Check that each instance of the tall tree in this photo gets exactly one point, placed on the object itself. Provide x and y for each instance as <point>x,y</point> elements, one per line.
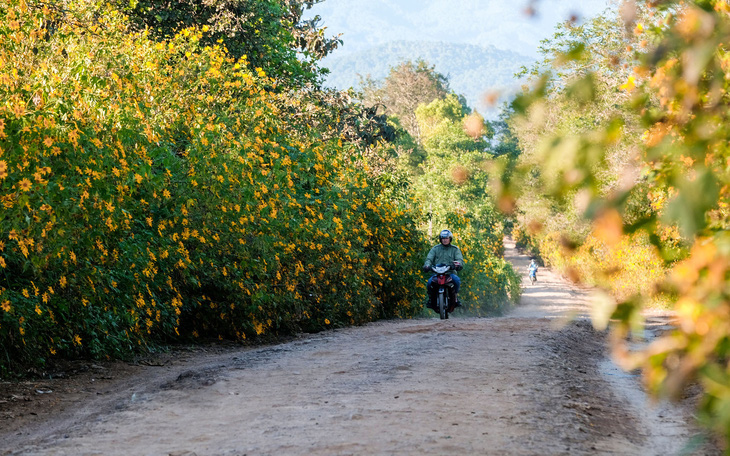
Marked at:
<point>408,85</point>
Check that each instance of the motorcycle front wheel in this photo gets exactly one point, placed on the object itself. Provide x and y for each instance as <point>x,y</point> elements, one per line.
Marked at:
<point>443,307</point>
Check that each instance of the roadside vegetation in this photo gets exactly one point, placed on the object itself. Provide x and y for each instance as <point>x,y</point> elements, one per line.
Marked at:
<point>184,176</point>
<point>622,182</point>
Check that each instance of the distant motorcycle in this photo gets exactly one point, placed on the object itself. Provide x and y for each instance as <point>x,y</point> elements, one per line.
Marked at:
<point>445,284</point>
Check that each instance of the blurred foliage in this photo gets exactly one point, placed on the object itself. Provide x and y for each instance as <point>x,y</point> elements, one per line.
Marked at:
<point>528,244</point>
<point>159,190</point>
<point>624,168</point>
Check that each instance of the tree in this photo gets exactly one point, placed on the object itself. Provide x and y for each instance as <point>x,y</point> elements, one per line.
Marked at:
<point>578,82</point>
<point>269,33</point>
<point>506,142</point>
<point>407,86</point>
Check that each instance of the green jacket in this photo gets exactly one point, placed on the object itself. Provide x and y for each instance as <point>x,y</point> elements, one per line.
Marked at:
<point>445,254</point>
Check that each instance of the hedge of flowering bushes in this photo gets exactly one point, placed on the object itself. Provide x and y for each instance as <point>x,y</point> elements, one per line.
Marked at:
<point>152,191</point>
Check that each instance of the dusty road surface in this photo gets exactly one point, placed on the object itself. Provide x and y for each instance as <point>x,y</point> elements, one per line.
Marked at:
<point>522,384</point>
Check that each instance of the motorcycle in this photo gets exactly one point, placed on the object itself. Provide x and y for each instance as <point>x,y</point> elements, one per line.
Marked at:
<point>533,275</point>
<point>445,284</point>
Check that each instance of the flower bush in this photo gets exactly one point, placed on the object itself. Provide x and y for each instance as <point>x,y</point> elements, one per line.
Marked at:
<point>153,191</point>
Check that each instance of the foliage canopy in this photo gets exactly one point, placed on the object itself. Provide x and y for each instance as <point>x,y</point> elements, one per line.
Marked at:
<point>408,85</point>
<point>270,33</point>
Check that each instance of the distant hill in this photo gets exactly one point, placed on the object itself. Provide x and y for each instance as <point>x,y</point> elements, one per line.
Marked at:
<point>472,70</point>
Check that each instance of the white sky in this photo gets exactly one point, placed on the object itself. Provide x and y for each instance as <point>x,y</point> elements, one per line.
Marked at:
<point>501,23</point>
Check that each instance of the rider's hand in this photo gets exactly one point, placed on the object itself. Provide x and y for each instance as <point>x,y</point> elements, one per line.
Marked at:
<point>457,265</point>
<point>426,268</point>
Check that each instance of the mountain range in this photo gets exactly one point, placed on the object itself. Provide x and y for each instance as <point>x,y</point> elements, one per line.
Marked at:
<point>472,70</point>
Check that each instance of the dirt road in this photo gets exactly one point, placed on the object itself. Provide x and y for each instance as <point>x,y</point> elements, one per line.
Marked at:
<point>522,384</point>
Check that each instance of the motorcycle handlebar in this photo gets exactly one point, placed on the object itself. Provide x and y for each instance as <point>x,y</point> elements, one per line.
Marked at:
<point>451,267</point>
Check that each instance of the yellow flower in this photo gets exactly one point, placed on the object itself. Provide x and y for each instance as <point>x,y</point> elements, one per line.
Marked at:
<point>5,306</point>
<point>326,321</point>
<point>25,185</point>
<point>77,339</point>
<point>629,85</point>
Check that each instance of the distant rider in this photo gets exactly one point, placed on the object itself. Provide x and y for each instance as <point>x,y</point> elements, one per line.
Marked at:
<point>532,269</point>
<point>444,253</point>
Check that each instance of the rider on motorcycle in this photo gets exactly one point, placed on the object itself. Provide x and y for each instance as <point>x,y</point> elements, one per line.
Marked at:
<point>444,253</point>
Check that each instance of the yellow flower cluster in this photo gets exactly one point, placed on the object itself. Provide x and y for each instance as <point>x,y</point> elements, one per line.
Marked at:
<point>146,201</point>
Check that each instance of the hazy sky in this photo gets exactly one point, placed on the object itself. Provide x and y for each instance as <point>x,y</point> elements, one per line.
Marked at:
<point>501,23</point>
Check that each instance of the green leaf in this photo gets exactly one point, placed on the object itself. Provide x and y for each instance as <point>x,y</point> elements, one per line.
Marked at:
<point>695,197</point>
<point>603,308</point>
<point>583,90</point>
